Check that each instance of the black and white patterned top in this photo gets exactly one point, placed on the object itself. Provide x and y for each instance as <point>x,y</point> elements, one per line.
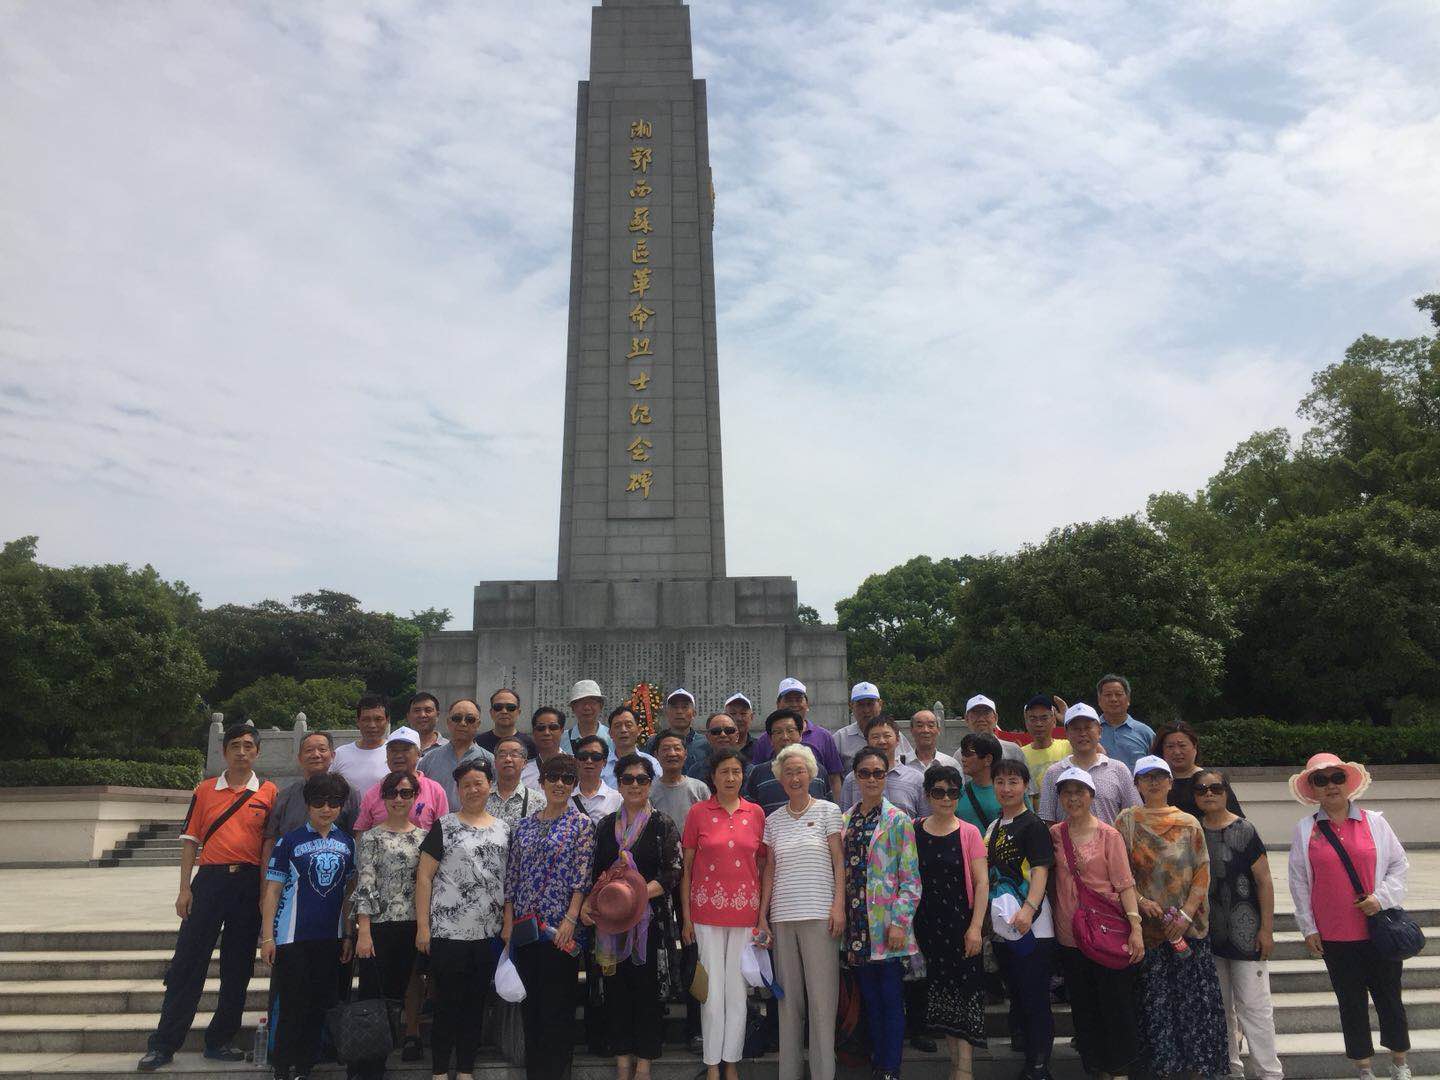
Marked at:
<point>385,889</point>
<point>467,899</point>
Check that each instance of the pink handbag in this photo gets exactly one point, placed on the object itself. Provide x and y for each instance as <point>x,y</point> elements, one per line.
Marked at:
<point>1100,926</point>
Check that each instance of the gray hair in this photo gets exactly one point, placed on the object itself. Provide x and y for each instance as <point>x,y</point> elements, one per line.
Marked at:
<point>323,733</point>
<point>795,750</point>
<point>1112,678</point>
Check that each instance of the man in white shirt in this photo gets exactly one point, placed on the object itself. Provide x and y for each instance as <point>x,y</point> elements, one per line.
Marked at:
<point>545,728</point>
<point>865,705</point>
<point>587,702</point>
<point>925,734</point>
<point>363,762</point>
<point>592,794</point>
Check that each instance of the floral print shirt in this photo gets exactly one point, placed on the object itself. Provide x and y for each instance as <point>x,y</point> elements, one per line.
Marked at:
<point>725,871</point>
<point>549,862</point>
<point>386,887</point>
<point>467,896</point>
<point>1169,857</point>
<point>892,879</point>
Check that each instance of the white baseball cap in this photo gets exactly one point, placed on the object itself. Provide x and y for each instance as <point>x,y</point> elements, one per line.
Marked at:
<point>739,697</point>
<point>790,686</point>
<point>979,701</point>
<point>404,734</point>
<point>1151,763</point>
<point>1074,773</point>
<point>864,691</point>
<point>1080,711</point>
<point>585,688</point>
<point>680,691</point>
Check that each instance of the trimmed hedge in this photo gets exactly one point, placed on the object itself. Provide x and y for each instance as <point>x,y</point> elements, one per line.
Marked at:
<point>87,772</point>
<point>188,756</point>
<point>1257,740</point>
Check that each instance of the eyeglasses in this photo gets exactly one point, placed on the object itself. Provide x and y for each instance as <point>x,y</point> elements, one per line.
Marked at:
<point>1209,789</point>
<point>403,793</point>
<point>634,778</point>
<point>544,727</point>
<point>504,706</point>
<point>509,754</point>
<point>870,774</point>
<point>567,778</point>
<point>968,753</point>
<point>465,718</point>
<point>724,731</point>
<point>334,802</point>
<point>944,793</point>
<point>589,755</point>
<point>1334,779</point>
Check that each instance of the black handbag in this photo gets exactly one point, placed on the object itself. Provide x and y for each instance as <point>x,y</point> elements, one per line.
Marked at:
<point>1393,932</point>
<point>362,1030</point>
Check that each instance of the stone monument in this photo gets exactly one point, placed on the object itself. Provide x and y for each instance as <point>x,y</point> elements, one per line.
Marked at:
<point>640,589</point>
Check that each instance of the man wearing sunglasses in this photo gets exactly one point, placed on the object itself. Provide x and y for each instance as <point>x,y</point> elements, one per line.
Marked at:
<point>504,716</point>
<point>402,753</point>
<point>439,764</point>
<point>592,795</point>
<point>546,726</point>
<point>720,730</point>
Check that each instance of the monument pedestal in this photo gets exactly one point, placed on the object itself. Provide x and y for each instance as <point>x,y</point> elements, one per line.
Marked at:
<point>712,636</point>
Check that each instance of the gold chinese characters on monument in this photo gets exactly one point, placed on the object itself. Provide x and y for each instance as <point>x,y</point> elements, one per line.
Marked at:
<point>641,156</point>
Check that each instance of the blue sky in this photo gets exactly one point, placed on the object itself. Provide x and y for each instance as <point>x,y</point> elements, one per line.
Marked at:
<point>283,292</point>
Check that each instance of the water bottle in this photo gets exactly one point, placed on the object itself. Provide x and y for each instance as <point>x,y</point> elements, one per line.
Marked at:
<point>1180,945</point>
<point>260,1054</point>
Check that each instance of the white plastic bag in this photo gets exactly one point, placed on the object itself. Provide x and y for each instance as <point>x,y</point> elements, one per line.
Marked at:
<point>507,980</point>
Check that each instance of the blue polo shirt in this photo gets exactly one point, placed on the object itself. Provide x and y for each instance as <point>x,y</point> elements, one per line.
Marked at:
<point>314,870</point>
<point>1128,742</point>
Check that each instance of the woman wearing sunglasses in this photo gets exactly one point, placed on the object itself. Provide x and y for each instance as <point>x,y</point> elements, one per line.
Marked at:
<point>1242,924</point>
<point>459,898</point>
<point>546,878</point>
<point>882,891</point>
<point>1333,918</point>
<point>635,963</point>
<point>953,872</point>
<point>387,857</point>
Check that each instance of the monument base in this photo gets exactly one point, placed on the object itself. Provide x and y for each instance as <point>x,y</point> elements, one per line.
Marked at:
<point>713,636</point>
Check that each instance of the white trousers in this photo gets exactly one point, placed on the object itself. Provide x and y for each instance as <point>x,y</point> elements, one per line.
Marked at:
<point>807,963</point>
<point>1245,991</point>
<point>722,1017</point>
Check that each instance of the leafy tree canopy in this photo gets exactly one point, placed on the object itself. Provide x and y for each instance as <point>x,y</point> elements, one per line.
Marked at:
<point>274,700</point>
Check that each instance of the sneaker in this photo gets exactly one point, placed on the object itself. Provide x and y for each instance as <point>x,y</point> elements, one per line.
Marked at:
<point>1399,1072</point>
<point>224,1053</point>
<point>695,1044</point>
<point>413,1050</point>
<point>154,1059</point>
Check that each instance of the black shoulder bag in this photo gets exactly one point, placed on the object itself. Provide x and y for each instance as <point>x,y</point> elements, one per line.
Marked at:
<point>979,812</point>
<point>226,816</point>
<point>1395,935</point>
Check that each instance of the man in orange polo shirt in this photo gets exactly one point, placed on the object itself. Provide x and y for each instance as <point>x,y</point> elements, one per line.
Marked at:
<point>225,825</point>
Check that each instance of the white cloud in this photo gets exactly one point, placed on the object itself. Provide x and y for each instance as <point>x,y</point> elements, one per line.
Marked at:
<point>284,298</point>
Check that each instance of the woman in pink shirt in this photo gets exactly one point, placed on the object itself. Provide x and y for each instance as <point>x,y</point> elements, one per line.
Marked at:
<point>1105,1032</point>
<point>1332,917</point>
<point>720,897</point>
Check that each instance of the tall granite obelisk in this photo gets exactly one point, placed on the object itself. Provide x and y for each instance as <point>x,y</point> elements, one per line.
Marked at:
<point>640,589</point>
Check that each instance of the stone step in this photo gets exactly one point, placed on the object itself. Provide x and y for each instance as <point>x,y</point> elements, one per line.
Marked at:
<point>86,996</point>
<point>148,964</point>
<point>1298,976</point>
<point>1290,944</point>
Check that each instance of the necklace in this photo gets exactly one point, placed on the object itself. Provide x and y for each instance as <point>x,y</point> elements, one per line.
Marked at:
<point>809,802</point>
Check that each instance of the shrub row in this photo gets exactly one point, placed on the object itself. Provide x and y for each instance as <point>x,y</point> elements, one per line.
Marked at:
<point>85,772</point>
<point>1257,740</point>
<point>188,756</point>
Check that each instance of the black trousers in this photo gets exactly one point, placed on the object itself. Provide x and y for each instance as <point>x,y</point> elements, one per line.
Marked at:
<point>305,988</point>
<point>461,972</point>
<point>1027,980</point>
<point>633,1007</point>
<point>1102,1005</point>
<point>1357,970</point>
<point>916,991</point>
<point>226,908</point>
<point>387,975</point>
<point>550,978</point>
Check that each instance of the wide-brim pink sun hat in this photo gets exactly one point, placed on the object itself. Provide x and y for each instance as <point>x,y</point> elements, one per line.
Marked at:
<point>1357,778</point>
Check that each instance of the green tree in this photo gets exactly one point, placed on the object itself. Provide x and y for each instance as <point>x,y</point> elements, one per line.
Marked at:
<point>900,624</point>
<point>807,616</point>
<point>1102,596</point>
<point>274,700</point>
<point>94,657</point>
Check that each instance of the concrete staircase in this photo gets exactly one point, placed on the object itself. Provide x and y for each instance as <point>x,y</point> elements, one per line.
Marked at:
<point>156,844</point>
<point>79,1004</point>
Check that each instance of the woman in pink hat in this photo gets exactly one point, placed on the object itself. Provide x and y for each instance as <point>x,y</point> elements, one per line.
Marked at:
<point>1330,915</point>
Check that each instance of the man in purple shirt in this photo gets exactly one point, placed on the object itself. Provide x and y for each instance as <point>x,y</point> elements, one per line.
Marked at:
<point>792,695</point>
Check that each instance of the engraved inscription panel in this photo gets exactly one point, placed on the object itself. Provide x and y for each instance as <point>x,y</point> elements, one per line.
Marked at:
<point>711,670</point>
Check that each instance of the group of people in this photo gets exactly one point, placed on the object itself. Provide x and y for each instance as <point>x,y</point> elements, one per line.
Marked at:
<point>1087,851</point>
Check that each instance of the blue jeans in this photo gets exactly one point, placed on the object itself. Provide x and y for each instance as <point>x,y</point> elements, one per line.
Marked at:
<point>880,988</point>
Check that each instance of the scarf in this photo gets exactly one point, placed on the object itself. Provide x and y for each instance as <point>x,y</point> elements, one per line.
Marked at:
<point>611,949</point>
